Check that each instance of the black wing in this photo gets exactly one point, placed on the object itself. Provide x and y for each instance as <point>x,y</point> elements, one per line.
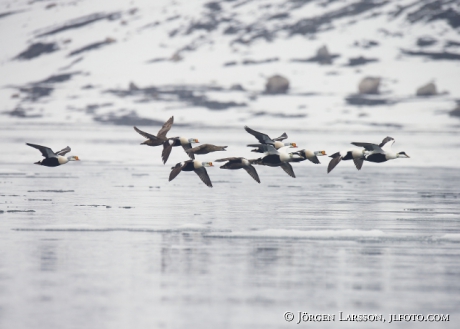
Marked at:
<point>386,140</point>
<point>358,163</point>
<point>166,127</point>
<point>253,173</point>
<point>368,146</point>
<point>64,151</point>
<point>188,147</point>
<point>262,138</point>
<point>281,138</point>
<point>176,170</point>
<point>336,158</point>
<point>144,134</point>
<point>203,174</point>
<point>288,169</point>
<point>315,160</point>
<point>46,151</point>
<point>167,147</point>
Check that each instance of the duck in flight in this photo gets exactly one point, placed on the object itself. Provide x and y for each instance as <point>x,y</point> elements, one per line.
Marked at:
<point>53,159</point>
<point>205,149</point>
<point>382,152</point>
<point>264,138</point>
<point>160,138</point>
<point>278,158</point>
<point>192,165</point>
<point>359,155</point>
<point>309,155</point>
<point>263,148</point>
<point>240,163</point>
<point>186,144</point>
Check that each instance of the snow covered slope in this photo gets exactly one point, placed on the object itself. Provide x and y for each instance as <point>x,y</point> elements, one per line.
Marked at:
<point>207,63</point>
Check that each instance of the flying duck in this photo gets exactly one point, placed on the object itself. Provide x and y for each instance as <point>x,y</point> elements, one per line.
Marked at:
<point>309,155</point>
<point>263,138</point>
<point>186,143</point>
<point>160,138</point>
<point>278,158</point>
<point>357,155</point>
<point>205,149</point>
<point>53,159</point>
<point>192,165</point>
<point>238,163</point>
<point>262,148</point>
<point>382,152</point>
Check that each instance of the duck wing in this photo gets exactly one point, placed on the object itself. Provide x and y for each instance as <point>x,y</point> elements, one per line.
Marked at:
<point>369,147</point>
<point>358,163</point>
<point>166,127</point>
<point>261,137</point>
<point>46,151</point>
<point>336,158</point>
<point>187,148</point>
<point>288,169</point>
<point>281,138</point>
<point>252,172</point>
<point>386,143</point>
<point>144,134</point>
<point>64,151</point>
<point>176,170</point>
<point>314,159</point>
<point>167,147</point>
<point>203,174</point>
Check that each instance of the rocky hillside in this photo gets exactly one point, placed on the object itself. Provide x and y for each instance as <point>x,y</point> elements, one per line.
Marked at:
<point>315,64</point>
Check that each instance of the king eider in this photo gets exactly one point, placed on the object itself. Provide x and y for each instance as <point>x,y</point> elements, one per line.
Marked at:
<point>192,165</point>
<point>53,159</point>
<point>262,148</point>
<point>357,155</point>
<point>263,138</point>
<point>160,138</point>
<point>186,144</point>
<point>309,155</point>
<point>382,152</point>
<point>278,158</point>
<point>205,149</point>
<point>240,163</point>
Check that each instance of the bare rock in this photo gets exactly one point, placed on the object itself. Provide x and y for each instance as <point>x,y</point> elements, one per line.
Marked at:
<point>176,57</point>
<point>427,90</point>
<point>323,56</point>
<point>277,85</point>
<point>237,87</point>
<point>369,85</point>
<point>133,86</point>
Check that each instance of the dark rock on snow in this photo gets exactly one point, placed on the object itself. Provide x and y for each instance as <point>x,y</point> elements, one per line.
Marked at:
<point>277,85</point>
<point>427,90</point>
<point>369,85</point>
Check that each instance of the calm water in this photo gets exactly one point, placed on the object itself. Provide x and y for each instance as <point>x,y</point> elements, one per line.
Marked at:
<point>109,243</point>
